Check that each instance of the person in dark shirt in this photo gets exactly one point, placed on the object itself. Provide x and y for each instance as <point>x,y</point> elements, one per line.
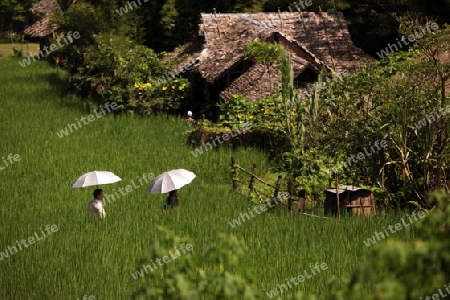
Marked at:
<point>172,200</point>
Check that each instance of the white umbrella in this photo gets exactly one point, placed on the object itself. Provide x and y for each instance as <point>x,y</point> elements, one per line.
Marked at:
<point>96,178</point>
<point>171,180</point>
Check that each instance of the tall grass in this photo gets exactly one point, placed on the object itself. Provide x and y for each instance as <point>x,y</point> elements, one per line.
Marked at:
<point>86,257</point>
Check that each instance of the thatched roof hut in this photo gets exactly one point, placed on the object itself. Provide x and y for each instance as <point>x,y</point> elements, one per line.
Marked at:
<point>43,27</point>
<point>45,7</point>
<point>313,40</point>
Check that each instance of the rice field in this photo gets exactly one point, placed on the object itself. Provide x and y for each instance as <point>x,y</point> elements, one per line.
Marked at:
<point>6,49</point>
<point>82,257</point>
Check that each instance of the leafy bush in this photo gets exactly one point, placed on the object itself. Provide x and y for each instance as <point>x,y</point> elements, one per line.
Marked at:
<point>343,117</point>
<point>410,271</point>
<point>116,69</point>
<point>190,278</point>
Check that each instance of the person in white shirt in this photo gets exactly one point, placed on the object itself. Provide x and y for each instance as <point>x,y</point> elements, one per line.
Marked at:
<point>96,206</point>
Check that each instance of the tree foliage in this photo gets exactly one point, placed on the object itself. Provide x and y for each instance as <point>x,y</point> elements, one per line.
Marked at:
<point>117,69</point>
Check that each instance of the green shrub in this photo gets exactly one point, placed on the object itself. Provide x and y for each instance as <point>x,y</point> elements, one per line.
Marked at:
<point>410,271</point>
<point>187,278</point>
<point>116,69</point>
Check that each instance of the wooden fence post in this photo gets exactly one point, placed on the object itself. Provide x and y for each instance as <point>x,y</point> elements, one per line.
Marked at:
<point>291,192</point>
<point>234,175</point>
<point>337,195</point>
<point>252,180</point>
<point>301,201</point>
<point>277,188</point>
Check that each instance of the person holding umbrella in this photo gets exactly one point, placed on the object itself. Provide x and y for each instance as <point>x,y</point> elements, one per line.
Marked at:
<point>170,182</point>
<point>172,200</point>
<point>96,206</point>
<point>95,178</point>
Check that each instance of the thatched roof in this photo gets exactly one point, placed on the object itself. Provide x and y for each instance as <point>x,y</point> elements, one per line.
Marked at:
<point>260,81</point>
<point>314,40</point>
<point>43,28</point>
<point>45,7</point>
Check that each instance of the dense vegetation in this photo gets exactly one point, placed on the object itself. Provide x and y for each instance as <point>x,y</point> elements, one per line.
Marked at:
<point>386,127</point>
<point>393,115</point>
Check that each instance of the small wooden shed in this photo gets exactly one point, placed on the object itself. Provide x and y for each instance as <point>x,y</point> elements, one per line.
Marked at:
<point>353,201</point>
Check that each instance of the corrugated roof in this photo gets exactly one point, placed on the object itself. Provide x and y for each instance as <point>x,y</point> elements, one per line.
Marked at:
<point>344,188</point>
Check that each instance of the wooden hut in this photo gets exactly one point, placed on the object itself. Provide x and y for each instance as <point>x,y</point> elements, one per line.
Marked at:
<point>353,201</point>
<point>314,41</point>
<point>43,28</point>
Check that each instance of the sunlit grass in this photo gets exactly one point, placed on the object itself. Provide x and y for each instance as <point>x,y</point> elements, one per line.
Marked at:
<point>96,258</point>
<point>6,49</point>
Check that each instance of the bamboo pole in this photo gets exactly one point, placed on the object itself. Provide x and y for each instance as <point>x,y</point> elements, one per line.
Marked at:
<point>252,181</point>
<point>251,184</point>
<point>234,175</point>
<point>337,195</point>
<point>21,45</point>
<point>372,199</point>
<point>362,207</point>
<point>290,191</point>
<point>277,188</point>
<point>259,195</point>
<point>12,44</point>
<point>255,177</point>
<point>330,179</point>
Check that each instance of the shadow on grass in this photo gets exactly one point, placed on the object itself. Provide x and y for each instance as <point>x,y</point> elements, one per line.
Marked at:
<point>58,80</point>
